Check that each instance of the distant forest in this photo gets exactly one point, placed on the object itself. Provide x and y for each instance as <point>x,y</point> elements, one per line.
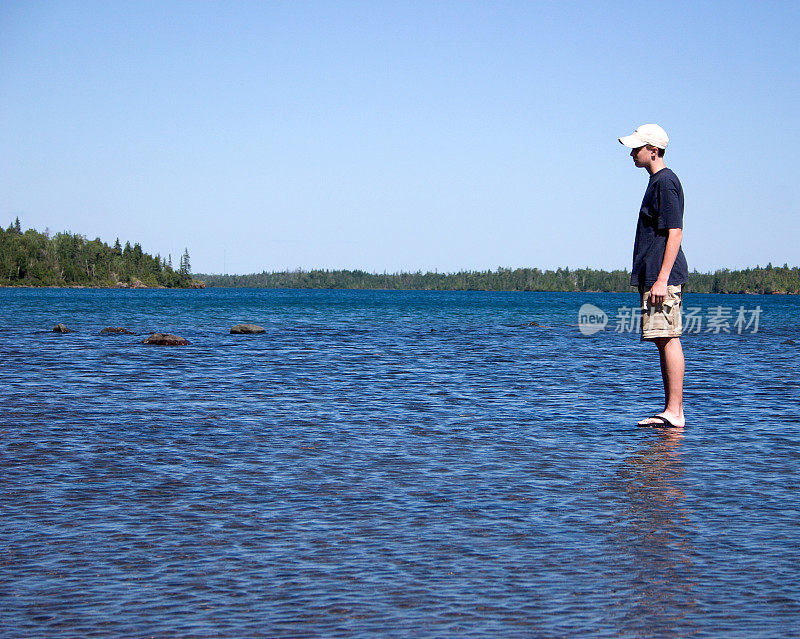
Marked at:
<point>754,280</point>
<point>31,258</point>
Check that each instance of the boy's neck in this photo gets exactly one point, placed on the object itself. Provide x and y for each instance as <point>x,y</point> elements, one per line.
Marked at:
<point>655,166</point>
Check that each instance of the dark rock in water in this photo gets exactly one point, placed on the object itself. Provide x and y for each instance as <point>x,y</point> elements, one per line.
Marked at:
<point>247,329</point>
<point>789,342</point>
<point>60,328</point>
<point>166,339</point>
<point>117,329</point>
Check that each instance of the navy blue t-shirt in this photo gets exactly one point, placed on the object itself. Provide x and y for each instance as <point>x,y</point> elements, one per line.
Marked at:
<point>662,209</point>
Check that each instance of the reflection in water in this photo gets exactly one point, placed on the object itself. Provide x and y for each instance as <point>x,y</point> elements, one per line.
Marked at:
<point>657,535</point>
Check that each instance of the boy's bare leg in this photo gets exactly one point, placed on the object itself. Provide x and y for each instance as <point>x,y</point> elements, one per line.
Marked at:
<point>670,353</point>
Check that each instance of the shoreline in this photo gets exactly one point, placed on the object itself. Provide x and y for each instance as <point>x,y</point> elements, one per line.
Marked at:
<point>127,287</point>
<point>309,288</point>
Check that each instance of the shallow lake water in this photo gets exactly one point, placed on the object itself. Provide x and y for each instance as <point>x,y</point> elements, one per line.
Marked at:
<point>409,464</point>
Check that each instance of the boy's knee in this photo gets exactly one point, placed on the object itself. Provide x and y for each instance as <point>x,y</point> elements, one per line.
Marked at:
<point>662,342</point>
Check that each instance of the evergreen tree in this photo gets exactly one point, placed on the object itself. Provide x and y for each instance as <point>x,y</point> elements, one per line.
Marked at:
<point>186,266</point>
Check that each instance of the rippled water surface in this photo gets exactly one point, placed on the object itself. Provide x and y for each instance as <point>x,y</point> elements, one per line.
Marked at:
<point>410,464</point>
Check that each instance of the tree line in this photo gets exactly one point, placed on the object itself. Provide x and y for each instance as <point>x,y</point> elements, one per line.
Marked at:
<point>764,280</point>
<point>30,258</point>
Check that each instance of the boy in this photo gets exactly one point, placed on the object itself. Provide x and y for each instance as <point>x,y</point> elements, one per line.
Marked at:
<point>659,266</point>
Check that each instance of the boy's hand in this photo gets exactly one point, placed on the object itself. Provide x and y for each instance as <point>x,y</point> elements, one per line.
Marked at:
<point>658,293</point>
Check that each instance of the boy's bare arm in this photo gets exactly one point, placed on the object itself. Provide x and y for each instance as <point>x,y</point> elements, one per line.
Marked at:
<point>659,290</point>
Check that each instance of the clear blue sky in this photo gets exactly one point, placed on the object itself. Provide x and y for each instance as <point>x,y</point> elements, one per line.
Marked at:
<point>399,135</point>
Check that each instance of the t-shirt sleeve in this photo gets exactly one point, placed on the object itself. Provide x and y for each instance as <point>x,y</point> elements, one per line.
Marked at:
<point>670,210</point>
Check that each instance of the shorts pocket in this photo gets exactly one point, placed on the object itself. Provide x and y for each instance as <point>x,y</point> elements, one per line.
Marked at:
<point>666,310</point>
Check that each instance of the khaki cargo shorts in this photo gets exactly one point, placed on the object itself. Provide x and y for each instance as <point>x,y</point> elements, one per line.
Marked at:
<point>664,320</point>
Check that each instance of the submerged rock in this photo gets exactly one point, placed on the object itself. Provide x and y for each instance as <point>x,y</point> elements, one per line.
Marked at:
<point>60,328</point>
<point>117,329</point>
<point>166,339</point>
<point>247,329</point>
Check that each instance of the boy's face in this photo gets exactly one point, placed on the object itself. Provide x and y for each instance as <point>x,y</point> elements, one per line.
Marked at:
<point>641,156</point>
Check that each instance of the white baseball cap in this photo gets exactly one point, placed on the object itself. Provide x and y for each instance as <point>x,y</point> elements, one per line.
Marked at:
<point>651,134</point>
